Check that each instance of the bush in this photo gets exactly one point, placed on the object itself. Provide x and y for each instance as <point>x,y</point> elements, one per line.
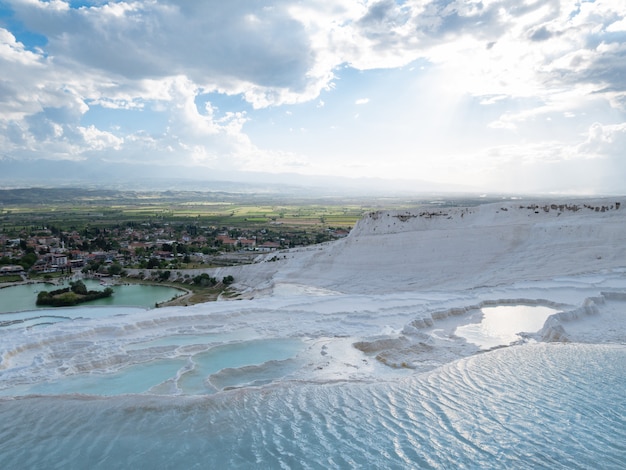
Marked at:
<point>68,297</point>
<point>78,287</point>
<point>115,269</point>
<point>204,280</point>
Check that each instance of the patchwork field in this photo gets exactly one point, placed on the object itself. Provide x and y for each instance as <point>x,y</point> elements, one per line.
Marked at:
<point>71,209</point>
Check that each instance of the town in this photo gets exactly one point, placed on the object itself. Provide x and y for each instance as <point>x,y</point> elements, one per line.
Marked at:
<point>157,235</point>
<point>154,247</point>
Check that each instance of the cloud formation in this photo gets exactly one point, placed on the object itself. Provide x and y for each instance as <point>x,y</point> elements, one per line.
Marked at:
<point>187,83</point>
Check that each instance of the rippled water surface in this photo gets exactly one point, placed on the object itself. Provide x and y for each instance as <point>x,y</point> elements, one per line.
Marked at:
<point>532,406</point>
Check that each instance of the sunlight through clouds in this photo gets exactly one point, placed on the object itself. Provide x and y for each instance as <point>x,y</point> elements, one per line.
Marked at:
<point>443,83</point>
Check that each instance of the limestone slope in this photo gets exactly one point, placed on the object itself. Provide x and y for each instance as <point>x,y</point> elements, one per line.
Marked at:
<point>456,248</point>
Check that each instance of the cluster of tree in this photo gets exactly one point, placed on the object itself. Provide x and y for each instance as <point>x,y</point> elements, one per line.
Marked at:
<point>76,294</point>
<point>163,275</point>
<point>114,269</point>
<point>26,261</point>
<point>205,280</point>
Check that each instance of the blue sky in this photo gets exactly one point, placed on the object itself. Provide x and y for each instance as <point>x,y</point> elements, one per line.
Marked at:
<point>491,95</point>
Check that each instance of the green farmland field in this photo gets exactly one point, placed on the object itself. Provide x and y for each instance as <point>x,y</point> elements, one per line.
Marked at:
<point>75,208</point>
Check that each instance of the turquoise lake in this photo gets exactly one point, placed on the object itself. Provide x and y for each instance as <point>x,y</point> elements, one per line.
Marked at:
<point>23,297</point>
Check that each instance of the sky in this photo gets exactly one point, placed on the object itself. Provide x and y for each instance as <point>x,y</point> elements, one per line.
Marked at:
<point>491,95</point>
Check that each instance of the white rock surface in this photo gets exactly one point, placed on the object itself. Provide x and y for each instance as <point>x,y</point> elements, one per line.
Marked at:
<point>384,302</point>
<point>454,248</point>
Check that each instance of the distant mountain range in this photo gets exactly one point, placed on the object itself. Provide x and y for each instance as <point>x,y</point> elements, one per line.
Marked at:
<point>54,173</point>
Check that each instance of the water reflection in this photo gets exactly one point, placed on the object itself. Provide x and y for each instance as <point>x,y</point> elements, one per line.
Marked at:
<point>501,325</point>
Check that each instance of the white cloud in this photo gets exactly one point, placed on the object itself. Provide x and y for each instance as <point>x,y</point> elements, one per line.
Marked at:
<point>215,44</point>
<point>595,164</point>
<point>617,27</point>
<point>287,53</point>
<point>96,139</point>
<point>522,62</point>
<point>605,141</point>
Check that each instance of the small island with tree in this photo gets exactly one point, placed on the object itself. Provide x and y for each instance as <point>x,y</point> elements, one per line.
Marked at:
<point>76,294</point>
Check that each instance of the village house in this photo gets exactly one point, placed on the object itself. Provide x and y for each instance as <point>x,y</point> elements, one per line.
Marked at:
<point>59,260</point>
<point>163,254</point>
<point>134,246</point>
<point>227,241</point>
<point>11,269</point>
<point>247,243</point>
<point>269,246</point>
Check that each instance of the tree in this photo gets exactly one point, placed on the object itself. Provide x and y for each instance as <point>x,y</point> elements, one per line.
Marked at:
<point>115,269</point>
<point>78,287</point>
<point>204,280</point>
<point>28,260</point>
<point>228,280</point>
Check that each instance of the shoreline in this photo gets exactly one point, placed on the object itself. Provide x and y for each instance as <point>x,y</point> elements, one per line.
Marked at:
<point>187,298</point>
<point>184,295</point>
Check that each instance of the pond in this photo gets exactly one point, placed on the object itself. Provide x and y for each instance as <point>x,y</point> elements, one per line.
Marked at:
<point>501,325</point>
<point>219,366</point>
<point>23,297</point>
